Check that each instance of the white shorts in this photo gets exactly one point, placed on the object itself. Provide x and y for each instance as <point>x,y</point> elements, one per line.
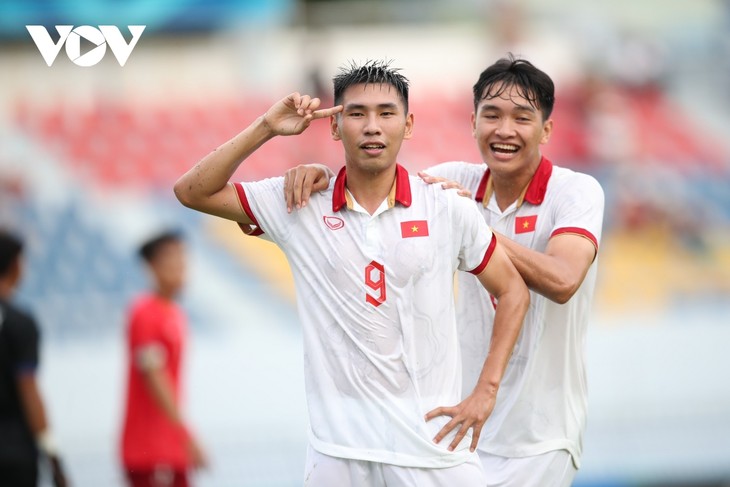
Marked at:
<point>325,471</point>
<point>551,469</point>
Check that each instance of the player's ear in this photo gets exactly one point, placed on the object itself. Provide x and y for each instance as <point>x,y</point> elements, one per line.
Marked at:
<point>474,125</point>
<point>547,129</point>
<point>410,118</point>
<point>335,126</point>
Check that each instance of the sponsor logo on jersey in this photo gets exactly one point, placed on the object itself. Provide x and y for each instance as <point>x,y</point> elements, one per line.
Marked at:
<point>333,222</point>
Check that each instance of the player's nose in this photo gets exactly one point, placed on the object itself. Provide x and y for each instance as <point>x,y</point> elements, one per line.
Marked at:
<point>505,128</point>
<point>372,126</point>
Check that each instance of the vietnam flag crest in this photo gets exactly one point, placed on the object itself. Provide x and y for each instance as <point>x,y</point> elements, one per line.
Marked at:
<point>414,228</point>
<point>525,224</point>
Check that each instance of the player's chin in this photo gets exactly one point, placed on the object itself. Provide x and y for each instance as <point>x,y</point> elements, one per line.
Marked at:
<point>376,165</point>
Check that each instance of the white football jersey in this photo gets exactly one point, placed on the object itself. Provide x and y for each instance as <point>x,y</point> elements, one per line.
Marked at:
<point>542,400</point>
<point>376,302</point>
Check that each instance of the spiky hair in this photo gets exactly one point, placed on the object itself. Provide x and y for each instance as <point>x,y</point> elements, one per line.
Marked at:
<point>370,72</point>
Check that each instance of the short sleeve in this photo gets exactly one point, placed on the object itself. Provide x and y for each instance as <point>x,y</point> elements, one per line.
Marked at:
<point>467,174</point>
<point>144,327</point>
<point>449,170</point>
<point>263,201</point>
<point>24,338</point>
<point>580,209</point>
<point>473,236</point>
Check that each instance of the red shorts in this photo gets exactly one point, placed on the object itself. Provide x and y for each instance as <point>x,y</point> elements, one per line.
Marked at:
<point>158,477</point>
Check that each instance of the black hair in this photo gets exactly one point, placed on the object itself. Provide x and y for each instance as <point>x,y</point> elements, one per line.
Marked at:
<point>10,249</point>
<point>531,83</point>
<point>149,249</point>
<point>371,72</point>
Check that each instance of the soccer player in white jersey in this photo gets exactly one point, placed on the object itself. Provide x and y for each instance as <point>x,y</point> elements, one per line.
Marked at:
<point>549,219</point>
<point>373,258</point>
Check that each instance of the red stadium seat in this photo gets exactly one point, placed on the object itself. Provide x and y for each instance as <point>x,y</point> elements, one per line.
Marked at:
<point>148,146</point>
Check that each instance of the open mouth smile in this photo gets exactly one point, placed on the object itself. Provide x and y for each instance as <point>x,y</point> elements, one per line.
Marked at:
<point>504,148</point>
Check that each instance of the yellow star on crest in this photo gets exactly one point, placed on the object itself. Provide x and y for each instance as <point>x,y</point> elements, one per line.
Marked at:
<point>414,229</point>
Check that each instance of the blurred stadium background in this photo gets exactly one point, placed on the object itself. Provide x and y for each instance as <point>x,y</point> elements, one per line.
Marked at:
<point>88,157</point>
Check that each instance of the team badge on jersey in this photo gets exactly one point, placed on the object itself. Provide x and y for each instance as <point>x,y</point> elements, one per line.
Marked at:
<point>414,228</point>
<point>333,222</point>
<point>525,224</point>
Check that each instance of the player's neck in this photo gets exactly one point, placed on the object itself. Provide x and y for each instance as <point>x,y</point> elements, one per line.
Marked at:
<point>507,193</point>
<point>165,293</point>
<point>9,282</point>
<point>6,289</point>
<point>370,188</point>
<point>509,187</point>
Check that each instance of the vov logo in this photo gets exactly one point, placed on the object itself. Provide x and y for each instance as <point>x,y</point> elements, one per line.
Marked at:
<point>101,37</point>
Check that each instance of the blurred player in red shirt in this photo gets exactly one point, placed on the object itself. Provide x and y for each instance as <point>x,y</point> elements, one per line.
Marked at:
<point>157,448</point>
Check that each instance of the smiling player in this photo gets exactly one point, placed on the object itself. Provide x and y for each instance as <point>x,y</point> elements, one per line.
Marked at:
<point>549,219</point>
<point>373,258</point>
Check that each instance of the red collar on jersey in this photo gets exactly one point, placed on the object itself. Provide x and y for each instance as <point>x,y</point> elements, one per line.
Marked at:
<point>402,186</point>
<point>535,191</point>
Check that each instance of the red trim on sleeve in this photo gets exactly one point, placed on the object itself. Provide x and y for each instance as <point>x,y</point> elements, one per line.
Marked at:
<point>576,231</point>
<point>241,193</point>
<point>255,232</point>
<point>487,255</point>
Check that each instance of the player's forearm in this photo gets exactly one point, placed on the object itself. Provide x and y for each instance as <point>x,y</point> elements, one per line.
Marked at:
<point>35,414</point>
<point>211,175</point>
<point>508,320</point>
<point>160,388</point>
<point>30,398</point>
<point>542,273</point>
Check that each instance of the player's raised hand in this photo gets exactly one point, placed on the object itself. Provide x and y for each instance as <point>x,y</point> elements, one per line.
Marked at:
<point>293,114</point>
<point>445,183</point>
<point>301,181</point>
<point>472,413</point>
